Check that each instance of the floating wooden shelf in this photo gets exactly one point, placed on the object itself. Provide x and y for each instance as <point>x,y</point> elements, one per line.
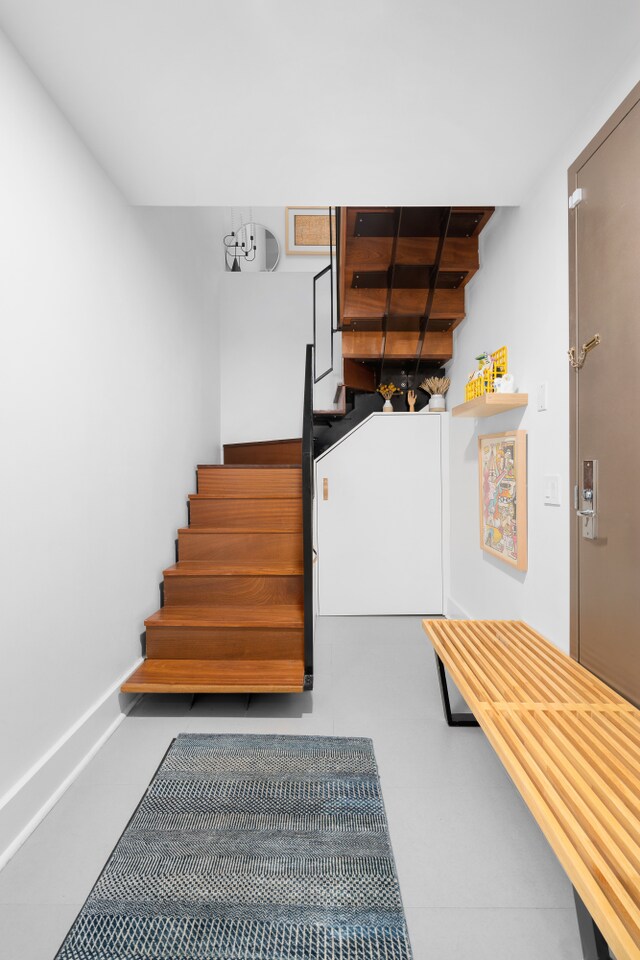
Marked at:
<point>489,404</point>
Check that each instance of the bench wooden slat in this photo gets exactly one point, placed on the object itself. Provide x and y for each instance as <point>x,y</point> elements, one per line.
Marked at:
<point>498,640</point>
<point>616,773</point>
<point>600,777</point>
<point>542,685</point>
<point>482,677</point>
<point>599,885</point>
<point>572,747</point>
<point>626,734</point>
<point>568,686</point>
<point>593,688</point>
<point>621,761</point>
<point>609,834</point>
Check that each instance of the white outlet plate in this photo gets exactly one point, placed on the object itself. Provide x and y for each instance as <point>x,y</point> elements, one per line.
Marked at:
<point>543,396</point>
<point>552,490</point>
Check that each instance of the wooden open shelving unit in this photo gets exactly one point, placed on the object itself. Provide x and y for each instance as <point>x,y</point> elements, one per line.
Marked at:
<point>489,404</point>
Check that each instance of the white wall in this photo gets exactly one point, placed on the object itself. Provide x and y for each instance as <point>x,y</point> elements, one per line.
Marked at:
<point>520,298</point>
<point>108,399</point>
<point>266,322</point>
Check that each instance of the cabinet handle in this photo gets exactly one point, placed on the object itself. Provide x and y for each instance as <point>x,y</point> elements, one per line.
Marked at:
<point>325,488</point>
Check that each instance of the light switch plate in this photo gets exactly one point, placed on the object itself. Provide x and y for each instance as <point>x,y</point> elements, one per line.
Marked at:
<point>543,396</point>
<point>552,490</point>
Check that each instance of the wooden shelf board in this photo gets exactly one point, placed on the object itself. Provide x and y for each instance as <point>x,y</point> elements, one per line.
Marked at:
<point>490,404</point>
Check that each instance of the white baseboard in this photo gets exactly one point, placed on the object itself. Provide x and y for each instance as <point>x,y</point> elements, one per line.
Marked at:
<point>453,611</point>
<point>31,798</point>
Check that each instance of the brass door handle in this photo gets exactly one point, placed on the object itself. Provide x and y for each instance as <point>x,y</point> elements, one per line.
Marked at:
<point>325,488</point>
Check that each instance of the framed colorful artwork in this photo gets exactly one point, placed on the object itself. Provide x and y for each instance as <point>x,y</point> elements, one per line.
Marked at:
<point>502,464</point>
<point>309,231</point>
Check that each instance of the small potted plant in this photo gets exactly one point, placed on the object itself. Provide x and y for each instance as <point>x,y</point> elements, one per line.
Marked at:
<point>437,387</point>
<point>389,390</point>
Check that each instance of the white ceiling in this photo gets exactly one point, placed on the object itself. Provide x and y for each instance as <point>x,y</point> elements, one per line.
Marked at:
<point>344,101</point>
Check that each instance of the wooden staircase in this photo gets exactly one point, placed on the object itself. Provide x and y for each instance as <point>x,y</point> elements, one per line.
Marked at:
<point>389,257</point>
<point>233,613</point>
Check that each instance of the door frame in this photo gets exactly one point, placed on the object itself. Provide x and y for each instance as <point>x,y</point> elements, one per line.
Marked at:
<point>605,131</point>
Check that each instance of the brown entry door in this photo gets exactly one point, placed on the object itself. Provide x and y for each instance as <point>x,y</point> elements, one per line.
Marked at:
<point>606,422</point>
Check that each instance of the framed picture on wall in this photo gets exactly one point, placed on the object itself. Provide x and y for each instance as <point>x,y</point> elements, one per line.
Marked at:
<point>502,465</point>
<point>309,231</point>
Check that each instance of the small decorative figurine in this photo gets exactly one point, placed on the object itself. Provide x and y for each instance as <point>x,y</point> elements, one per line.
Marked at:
<point>412,396</point>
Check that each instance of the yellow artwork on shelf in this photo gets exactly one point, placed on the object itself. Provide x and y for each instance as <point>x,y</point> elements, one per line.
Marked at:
<point>490,366</point>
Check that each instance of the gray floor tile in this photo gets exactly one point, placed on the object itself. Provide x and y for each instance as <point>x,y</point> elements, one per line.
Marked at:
<point>62,859</point>
<point>474,848</point>
<point>427,753</point>
<point>365,686</point>
<point>28,933</point>
<point>134,752</point>
<point>458,934</point>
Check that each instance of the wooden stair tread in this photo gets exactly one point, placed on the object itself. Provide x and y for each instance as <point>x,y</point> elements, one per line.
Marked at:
<point>258,533</point>
<point>220,528</point>
<point>216,676</point>
<point>264,443</point>
<point>249,466</point>
<point>280,615</point>
<point>257,501</point>
<point>204,568</point>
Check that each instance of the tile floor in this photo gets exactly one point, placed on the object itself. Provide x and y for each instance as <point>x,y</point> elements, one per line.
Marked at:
<point>478,879</point>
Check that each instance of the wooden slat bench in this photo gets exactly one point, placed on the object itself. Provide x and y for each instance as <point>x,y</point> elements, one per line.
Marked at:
<point>571,745</point>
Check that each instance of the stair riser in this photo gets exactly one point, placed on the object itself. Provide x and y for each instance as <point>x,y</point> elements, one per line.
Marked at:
<point>280,515</point>
<point>223,643</point>
<point>244,482</point>
<point>368,303</point>
<point>271,548</point>
<point>400,346</point>
<point>281,452</point>
<point>252,591</point>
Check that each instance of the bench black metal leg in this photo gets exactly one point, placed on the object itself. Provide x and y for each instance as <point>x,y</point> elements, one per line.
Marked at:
<point>594,945</point>
<point>453,719</point>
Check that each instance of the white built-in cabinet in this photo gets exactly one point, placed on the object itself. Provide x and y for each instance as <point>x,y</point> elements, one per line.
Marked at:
<point>379,510</point>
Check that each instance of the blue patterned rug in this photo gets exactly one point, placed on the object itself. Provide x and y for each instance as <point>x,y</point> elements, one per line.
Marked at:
<point>251,848</point>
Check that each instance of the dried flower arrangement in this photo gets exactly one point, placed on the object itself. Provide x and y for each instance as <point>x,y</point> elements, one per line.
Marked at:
<point>436,385</point>
<point>389,390</point>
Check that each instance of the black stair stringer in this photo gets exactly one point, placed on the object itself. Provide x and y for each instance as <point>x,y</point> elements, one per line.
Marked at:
<point>325,435</point>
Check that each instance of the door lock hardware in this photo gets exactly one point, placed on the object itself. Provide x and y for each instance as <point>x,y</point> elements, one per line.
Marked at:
<point>587,513</point>
<point>578,362</point>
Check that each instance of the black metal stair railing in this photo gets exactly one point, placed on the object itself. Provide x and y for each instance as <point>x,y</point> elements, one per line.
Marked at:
<point>326,296</point>
<point>326,323</point>
<point>307,516</point>
<point>445,220</point>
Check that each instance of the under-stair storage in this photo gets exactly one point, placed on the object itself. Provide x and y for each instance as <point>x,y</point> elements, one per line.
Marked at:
<point>379,510</point>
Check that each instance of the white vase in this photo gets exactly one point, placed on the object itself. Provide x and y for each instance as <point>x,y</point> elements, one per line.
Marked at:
<point>437,403</point>
<point>388,407</point>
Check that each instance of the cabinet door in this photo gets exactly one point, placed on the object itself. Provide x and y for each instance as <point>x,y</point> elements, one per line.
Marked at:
<point>380,526</point>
